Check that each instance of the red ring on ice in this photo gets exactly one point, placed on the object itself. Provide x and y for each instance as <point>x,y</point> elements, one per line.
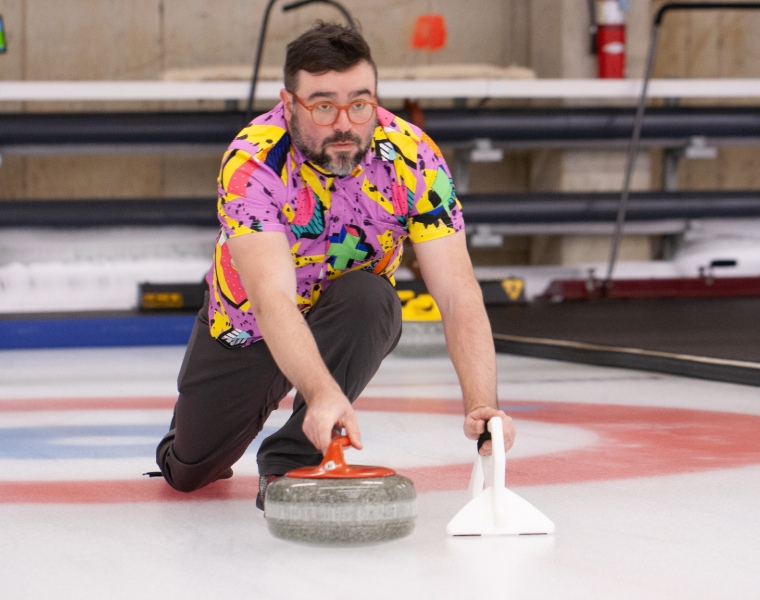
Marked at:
<point>632,441</point>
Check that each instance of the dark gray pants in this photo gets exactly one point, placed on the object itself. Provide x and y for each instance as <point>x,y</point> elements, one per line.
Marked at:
<point>226,395</point>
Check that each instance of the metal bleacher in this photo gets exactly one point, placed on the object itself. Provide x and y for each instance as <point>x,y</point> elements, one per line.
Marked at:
<point>677,129</point>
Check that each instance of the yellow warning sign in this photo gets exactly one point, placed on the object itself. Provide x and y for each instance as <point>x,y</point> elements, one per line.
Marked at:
<point>405,295</point>
<point>514,288</point>
<point>162,300</point>
<point>420,308</point>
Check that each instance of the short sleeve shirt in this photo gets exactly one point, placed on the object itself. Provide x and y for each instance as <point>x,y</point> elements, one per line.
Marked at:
<point>333,225</point>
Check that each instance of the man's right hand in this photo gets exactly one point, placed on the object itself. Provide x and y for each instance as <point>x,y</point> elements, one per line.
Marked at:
<point>323,413</point>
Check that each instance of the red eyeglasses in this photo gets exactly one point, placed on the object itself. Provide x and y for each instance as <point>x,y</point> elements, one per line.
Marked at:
<point>326,113</point>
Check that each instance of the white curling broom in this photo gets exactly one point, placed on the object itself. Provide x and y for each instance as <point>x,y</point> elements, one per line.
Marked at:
<point>494,510</point>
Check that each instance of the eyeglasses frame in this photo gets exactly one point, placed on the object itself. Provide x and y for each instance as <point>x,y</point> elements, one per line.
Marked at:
<point>340,107</point>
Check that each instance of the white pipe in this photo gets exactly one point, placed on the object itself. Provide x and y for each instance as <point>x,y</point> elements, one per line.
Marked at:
<point>116,91</point>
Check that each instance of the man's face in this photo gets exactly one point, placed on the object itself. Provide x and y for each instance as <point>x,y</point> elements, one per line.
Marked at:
<point>340,147</point>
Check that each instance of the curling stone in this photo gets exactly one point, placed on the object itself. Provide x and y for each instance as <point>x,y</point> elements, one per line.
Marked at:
<point>341,504</point>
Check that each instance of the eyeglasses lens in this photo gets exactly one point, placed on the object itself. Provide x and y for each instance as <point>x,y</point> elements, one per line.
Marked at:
<point>358,113</point>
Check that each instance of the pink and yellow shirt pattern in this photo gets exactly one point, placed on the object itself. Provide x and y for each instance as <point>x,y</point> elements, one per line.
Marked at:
<point>334,225</point>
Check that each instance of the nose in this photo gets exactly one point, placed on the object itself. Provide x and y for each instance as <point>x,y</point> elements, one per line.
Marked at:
<point>342,123</point>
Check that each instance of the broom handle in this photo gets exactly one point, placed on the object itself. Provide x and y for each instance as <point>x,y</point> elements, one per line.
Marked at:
<point>498,460</point>
<point>498,473</point>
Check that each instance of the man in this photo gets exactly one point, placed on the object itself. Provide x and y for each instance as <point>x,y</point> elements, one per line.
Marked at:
<point>315,199</point>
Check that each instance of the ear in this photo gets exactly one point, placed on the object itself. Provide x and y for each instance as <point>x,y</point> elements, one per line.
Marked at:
<point>287,102</point>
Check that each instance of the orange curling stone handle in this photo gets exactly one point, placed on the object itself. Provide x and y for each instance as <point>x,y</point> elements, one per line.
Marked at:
<point>334,466</point>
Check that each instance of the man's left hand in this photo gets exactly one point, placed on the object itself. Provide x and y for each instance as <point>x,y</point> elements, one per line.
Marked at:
<point>475,425</point>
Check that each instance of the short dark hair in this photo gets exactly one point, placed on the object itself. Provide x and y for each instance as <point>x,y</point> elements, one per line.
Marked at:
<point>325,47</point>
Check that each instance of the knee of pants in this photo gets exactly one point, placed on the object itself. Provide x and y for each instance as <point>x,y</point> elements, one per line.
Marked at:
<point>362,296</point>
<point>182,477</point>
<point>181,481</point>
<point>181,485</point>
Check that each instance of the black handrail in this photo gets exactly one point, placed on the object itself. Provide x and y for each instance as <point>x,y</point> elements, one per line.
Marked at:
<point>702,6</point>
<point>340,7</point>
<point>593,27</point>
<point>257,61</point>
<point>262,35</point>
<point>634,144</point>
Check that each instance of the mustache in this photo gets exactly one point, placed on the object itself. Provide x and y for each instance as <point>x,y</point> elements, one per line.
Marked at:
<point>342,136</point>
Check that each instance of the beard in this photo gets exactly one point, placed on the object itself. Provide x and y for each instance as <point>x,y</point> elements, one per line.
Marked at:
<point>343,163</point>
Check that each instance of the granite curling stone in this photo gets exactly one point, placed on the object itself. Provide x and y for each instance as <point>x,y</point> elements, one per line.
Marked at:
<point>340,504</point>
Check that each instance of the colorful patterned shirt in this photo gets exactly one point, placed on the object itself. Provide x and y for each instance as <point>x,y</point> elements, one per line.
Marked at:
<point>334,225</point>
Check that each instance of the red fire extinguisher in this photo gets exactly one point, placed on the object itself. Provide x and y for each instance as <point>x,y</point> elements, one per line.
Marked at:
<point>610,39</point>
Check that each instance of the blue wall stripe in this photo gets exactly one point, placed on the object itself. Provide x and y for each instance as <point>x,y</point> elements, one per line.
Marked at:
<point>78,332</point>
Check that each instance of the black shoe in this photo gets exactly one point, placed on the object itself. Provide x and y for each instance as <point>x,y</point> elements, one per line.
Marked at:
<point>264,481</point>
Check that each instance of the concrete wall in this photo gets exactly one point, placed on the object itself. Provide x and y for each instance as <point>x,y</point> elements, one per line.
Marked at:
<point>559,38</point>
<point>712,44</point>
<point>559,44</point>
<point>141,39</point>
<point>138,39</point>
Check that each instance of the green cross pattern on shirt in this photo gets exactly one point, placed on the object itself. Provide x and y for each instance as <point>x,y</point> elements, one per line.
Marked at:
<point>442,187</point>
<point>345,251</point>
